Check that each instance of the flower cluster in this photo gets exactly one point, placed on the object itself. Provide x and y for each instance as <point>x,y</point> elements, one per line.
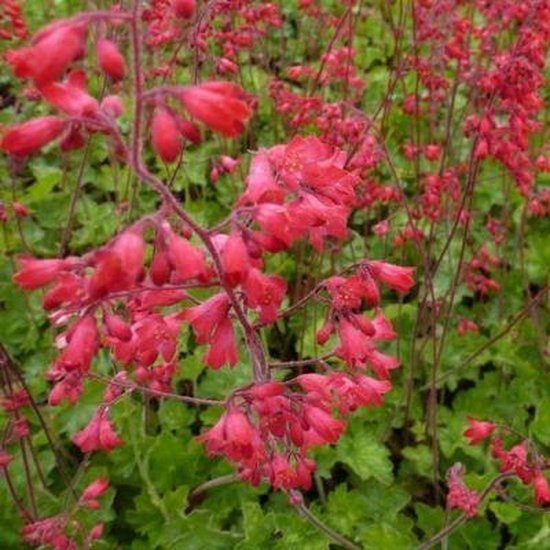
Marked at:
<point>521,460</point>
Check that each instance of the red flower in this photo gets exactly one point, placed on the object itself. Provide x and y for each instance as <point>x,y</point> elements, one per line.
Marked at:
<point>235,437</point>
<point>26,138</point>
<point>83,338</point>
<point>542,489</point>
<point>459,496</point>
<point>264,292</point>
<point>354,346</point>
<point>205,317</point>
<point>219,105</point>
<point>396,277</point>
<point>92,492</point>
<point>478,430</point>
<point>54,48</point>
<point>71,97</point>
<point>35,273</point>
<point>235,260</point>
<point>118,265</point>
<point>327,428</point>
<point>184,8</point>
<point>187,260</point>
<point>112,105</point>
<point>98,435</point>
<point>117,328</point>
<point>166,137</point>
<point>222,346</point>
<point>110,59</point>
<point>260,183</point>
<point>381,363</point>
<point>5,459</point>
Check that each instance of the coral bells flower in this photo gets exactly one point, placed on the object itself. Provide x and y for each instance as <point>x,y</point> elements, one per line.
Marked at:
<point>98,435</point>
<point>26,138</point>
<point>328,428</point>
<point>459,496</point>
<point>233,436</point>
<point>110,59</point>
<point>119,265</point>
<point>35,273</point>
<point>354,346</point>
<point>219,105</point>
<point>222,346</point>
<point>48,532</point>
<point>542,489</point>
<point>71,97</point>
<point>396,277</point>
<point>184,8</point>
<point>478,430</point>
<point>205,317</point>
<point>53,49</point>
<point>187,260</point>
<point>92,492</point>
<point>83,344</point>
<point>235,260</point>
<point>165,135</point>
<point>264,292</point>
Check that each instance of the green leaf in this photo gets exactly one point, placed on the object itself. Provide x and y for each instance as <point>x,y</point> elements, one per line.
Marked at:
<point>365,456</point>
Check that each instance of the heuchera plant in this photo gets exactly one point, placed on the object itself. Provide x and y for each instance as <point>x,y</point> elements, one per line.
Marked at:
<point>117,299</point>
<point>129,299</point>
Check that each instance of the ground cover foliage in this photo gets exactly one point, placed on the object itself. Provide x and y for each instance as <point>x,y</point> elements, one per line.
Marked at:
<point>274,275</point>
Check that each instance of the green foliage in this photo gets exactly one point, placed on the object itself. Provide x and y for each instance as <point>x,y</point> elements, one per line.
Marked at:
<point>381,485</point>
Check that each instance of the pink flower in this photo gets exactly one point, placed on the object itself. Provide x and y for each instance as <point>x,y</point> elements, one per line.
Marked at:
<point>328,428</point>
<point>187,260</point>
<point>396,277</point>
<point>281,474</point>
<point>83,344</point>
<point>459,496</point>
<point>92,492</point>
<point>355,347</point>
<point>222,346</point>
<point>119,265</point>
<point>219,105</point>
<point>165,135</point>
<point>260,183</point>
<point>35,273</point>
<point>381,363</point>
<point>184,8</point>
<point>542,489</point>
<point>264,292</point>
<point>98,435</point>
<point>383,329</point>
<point>110,59</point>
<point>205,317</point>
<point>235,437</point>
<point>26,138</point>
<point>117,328</point>
<point>478,430</point>
<point>235,260</point>
<point>71,97</point>
<point>53,49</point>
